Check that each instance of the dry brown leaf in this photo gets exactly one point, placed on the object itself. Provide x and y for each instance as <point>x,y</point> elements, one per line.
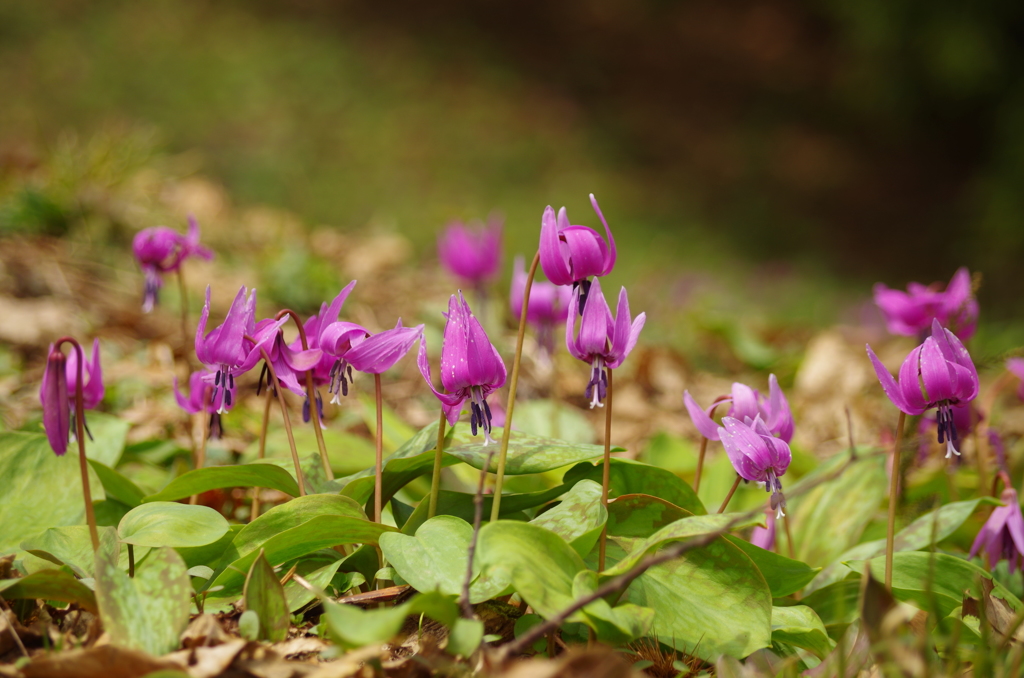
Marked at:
<point>204,631</point>
<point>350,664</point>
<point>208,662</point>
<point>597,662</point>
<point>301,645</point>
<point>106,661</point>
<point>998,612</point>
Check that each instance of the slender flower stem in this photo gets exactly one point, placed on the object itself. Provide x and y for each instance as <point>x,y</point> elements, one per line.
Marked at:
<point>728,497</point>
<point>704,445</point>
<point>478,517</point>
<point>90,515</point>
<point>435,478</point>
<point>311,395</point>
<point>506,432</point>
<point>379,462</point>
<point>131,560</point>
<point>185,334</point>
<point>200,459</point>
<point>606,470</point>
<point>276,385</point>
<point>893,500</point>
<point>262,452</point>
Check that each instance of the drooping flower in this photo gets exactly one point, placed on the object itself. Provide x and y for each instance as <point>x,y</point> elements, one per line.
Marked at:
<point>57,393</point>
<point>225,349</point>
<point>603,341</point>
<point>765,536</point>
<point>757,456</point>
<point>746,404</point>
<point>911,313</point>
<point>1016,368</point>
<point>288,363</point>
<point>162,250</point>
<point>92,374</point>
<point>471,368</point>
<point>471,253</point>
<point>570,254</point>
<point>548,307</point>
<point>965,417</point>
<point>201,398</point>
<point>1002,535</point>
<point>938,373</point>
<point>353,347</point>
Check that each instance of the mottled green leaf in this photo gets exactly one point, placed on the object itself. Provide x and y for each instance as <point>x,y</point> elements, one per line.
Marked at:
<point>526,453</point>
<point>460,504</point>
<point>72,546</point>
<point>837,605</point>
<point>800,626</point>
<point>579,518</point>
<point>149,612</point>
<point>163,523</point>
<point>50,585</point>
<point>108,436</point>
<point>397,474</point>
<point>641,515</point>
<point>618,625</point>
<point>351,626</point>
<point>39,489</point>
<point>215,477</point>
<point>116,485</point>
<point>633,477</point>
<point>785,576</point>
<point>264,594</point>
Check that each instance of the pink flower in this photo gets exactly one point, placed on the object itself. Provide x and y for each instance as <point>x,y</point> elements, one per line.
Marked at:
<point>911,313</point>
<point>548,308</point>
<point>1002,535</point>
<point>472,254</point>
<point>747,403</point>
<point>570,255</point>
<point>162,250</point>
<point>757,456</point>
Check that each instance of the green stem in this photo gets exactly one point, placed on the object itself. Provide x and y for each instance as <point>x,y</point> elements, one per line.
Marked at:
<point>894,485</point>
<point>606,470</point>
<point>513,382</point>
<point>131,560</point>
<point>435,478</point>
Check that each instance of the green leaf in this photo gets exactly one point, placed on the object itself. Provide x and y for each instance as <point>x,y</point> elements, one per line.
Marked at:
<point>264,595</point>
<point>39,489</point>
<point>108,436</point>
<point>830,518</point>
<point>396,431</point>
<point>785,576</point>
<point>941,523</point>
<point>50,585</point>
<point>435,559</point>
<point>465,637</point>
<point>460,504</point>
<point>109,512</point>
<point>149,612</point>
<point>641,515</point>
<point>837,605</point>
<point>216,477</point>
<point>209,554</point>
<point>927,579</point>
<point>633,477</point>
<point>617,625</point>
<point>299,596</point>
<point>579,518</point>
<point>249,625</point>
<point>72,546</point>
<point>800,626</point>
<point>397,474</point>
<point>526,453</point>
<point>352,627</point>
<point>116,485</point>
<point>162,523</point>
<point>346,452</point>
<point>425,440</point>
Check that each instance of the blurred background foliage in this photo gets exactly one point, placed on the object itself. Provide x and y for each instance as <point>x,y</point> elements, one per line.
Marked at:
<point>806,148</point>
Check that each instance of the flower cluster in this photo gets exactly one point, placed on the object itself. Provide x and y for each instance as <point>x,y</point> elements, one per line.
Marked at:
<point>162,250</point>
<point>911,313</point>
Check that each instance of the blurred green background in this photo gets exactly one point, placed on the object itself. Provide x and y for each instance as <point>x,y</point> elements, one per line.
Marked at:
<point>808,148</point>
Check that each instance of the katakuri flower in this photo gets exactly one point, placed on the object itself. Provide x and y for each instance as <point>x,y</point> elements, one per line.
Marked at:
<point>570,254</point>
<point>57,393</point>
<point>938,373</point>
<point>757,456</point>
<point>911,313</point>
<point>289,363</point>
<point>548,307</point>
<point>765,536</point>
<point>162,250</point>
<point>1002,535</point>
<point>471,368</point>
<point>353,347</point>
<point>603,341</point>
<point>471,253</point>
<point>225,349</point>
<point>746,403</point>
<point>201,399</point>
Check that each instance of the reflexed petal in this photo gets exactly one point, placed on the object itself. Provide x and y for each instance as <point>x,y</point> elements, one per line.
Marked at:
<point>587,251</point>
<point>334,310</point>
<point>954,351</point>
<point>447,399</point>
<point>483,365</point>
<point>746,449</point>
<point>780,417</point>
<point>910,380</point>
<point>609,260</point>
<point>744,402</point>
<point>227,346</point>
<point>379,352</point>
<point>201,351</point>
<point>701,419</point>
<point>571,342</point>
<point>552,259</point>
<point>634,335</point>
<point>891,388</point>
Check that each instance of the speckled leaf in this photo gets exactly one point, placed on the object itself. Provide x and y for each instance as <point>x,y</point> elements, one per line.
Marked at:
<point>50,585</point>
<point>148,612</point>
<point>163,523</point>
<point>425,440</point>
<point>215,477</point>
<point>526,453</point>
<point>800,626</point>
<point>617,625</point>
<point>72,546</point>
<point>117,486</point>
<point>264,594</point>
<point>461,504</point>
<point>579,518</point>
<point>435,559</point>
<point>641,515</point>
<point>940,523</point>
<point>39,489</point>
<point>633,477</point>
<point>785,576</point>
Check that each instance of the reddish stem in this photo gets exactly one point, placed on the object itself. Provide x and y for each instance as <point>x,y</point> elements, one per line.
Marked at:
<point>704,444</point>
<point>90,516</point>
<point>311,395</point>
<point>276,385</point>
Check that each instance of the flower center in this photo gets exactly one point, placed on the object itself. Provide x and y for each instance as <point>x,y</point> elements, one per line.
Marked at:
<point>584,286</point>
<point>480,414</point>
<point>947,429</point>
<point>224,379</point>
<point>341,374</point>
<point>778,500</point>
<point>597,389</point>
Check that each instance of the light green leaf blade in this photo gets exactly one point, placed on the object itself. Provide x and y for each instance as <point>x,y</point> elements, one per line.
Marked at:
<point>800,626</point>
<point>633,477</point>
<point>50,585</point>
<point>579,518</point>
<point>216,477</point>
<point>526,453</point>
<point>460,504</point>
<point>465,637</point>
<point>171,524</point>
<point>785,576</point>
<point>264,595</point>
<point>837,605</point>
<point>72,546</point>
<point>617,625</point>
<point>117,486</point>
<point>108,436</point>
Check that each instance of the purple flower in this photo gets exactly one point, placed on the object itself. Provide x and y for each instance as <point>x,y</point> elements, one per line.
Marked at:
<point>162,250</point>
<point>92,373</point>
<point>548,308</point>
<point>747,404</point>
<point>571,254</point>
<point>471,367</point>
<point>288,363</point>
<point>1002,535</point>
<point>201,398</point>
<point>942,366</point>
<point>911,313</point>
<point>603,341</point>
<point>57,393</point>
<point>352,347</point>
<point>1016,368</point>
<point>765,536</point>
<point>757,455</point>
<point>225,349</point>
<point>472,254</point>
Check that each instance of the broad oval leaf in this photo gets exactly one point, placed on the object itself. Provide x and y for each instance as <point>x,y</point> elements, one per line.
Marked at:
<point>633,477</point>
<point>579,518</point>
<point>785,576</point>
<point>170,524</point>
<point>50,585</point>
<point>397,474</point>
<point>215,477</point>
<point>800,626</point>
<point>620,624</point>
<point>117,486</point>
<point>460,504</point>
<point>526,453</point>
<point>72,546</point>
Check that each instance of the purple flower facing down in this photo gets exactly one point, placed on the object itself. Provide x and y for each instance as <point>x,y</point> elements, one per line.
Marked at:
<point>603,341</point>
<point>938,373</point>
<point>570,254</point>
<point>201,398</point>
<point>336,340</point>
<point>1002,535</point>
<point>288,363</point>
<point>1016,368</point>
<point>911,313</point>
<point>746,404</point>
<point>352,347</point>
<point>471,368</point>
<point>765,536</point>
<point>162,250</point>
<point>57,393</point>
<point>471,254</point>
<point>548,307</point>
<point>92,375</point>
<point>225,349</point>
<point>757,456</point>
